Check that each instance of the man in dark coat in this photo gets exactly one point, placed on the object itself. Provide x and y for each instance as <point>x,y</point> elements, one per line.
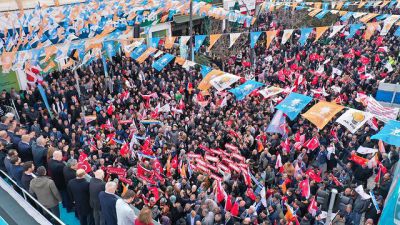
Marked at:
<point>108,199</point>
<point>24,149</point>
<point>27,176</point>
<point>39,151</point>
<point>69,173</point>
<point>96,186</point>
<point>78,189</point>
<point>16,169</point>
<point>56,172</point>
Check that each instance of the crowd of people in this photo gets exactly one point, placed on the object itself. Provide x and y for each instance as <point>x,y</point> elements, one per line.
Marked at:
<point>43,150</point>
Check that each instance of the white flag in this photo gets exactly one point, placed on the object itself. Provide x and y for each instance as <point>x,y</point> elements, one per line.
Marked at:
<point>286,35</point>
<point>353,119</point>
<point>224,81</point>
<point>335,30</point>
<point>388,23</point>
<point>232,38</point>
<point>184,40</point>
<point>364,150</point>
<point>270,91</point>
<point>389,67</point>
<point>361,192</point>
<point>165,108</point>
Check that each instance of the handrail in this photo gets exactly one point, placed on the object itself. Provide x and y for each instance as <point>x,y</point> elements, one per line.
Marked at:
<point>25,194</point>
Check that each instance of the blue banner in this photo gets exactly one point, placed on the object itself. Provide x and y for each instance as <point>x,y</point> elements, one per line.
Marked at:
<point>245,89</point>
<point>390,133</point>
<point>44,97</point>
<point>110,48</point>
<point>322,14</point>
<point>205,70</point>
<point>293,104</point>
<point>391,211</point>
<point>138,51</point>
<point>254,36</point>
<point>305,32</point>
<point>154,42</point>
<point>198,41</point>
<point>162,62</point>
<point>397,32</point>
<point>353,29</point>
<point>346,16</point>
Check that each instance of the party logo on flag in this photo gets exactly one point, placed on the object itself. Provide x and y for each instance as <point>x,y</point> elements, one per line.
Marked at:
<point>321,113</point>
<point>270,91</point>
<point>245,89</point>
<point>163,61</point>
<point>223,82</point>
<point>277,122</point>
<point>293,104</point>
<point>390,133</point>
<point>353,119</point>
<point>138,51</point>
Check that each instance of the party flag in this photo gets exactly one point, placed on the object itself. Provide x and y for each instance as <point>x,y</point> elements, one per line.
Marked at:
<point>368,17</point>
<point>146,54</point>
<point>44,97</point>
<point>353,29</point>
<point>353,119</point>
<point>346,16</point>
<point>369,31</point>
<point>270,91</point>
<point>270,37</point>
<point>224,81</point>
<point>276,123</point>
<point>169,42</point>
<point>388,23</point>
<point>205,83</point>
<point>293,104</point>
<point>163,61</point>
<point>335,30</point>
<point>184,39</point>
<point>314,12</point>
<point>254,38</point>
<point>321,113</point>
<point>305,32</point>
<point>198,41</point>
<point>319,31</point>
<point>390,133</point>
<point>205,70</point>
<point>213,39</point>
<point>138,51</point>
<point>154,42</point>
<point>322,14</point>
<point>286,35</point>
<point>245,89</point>
<point>232,38</point>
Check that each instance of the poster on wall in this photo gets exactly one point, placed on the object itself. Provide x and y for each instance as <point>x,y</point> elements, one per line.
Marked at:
<point>8,80</point>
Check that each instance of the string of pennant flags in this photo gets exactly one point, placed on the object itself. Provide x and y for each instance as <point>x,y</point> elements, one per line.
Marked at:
<point>44,26</point>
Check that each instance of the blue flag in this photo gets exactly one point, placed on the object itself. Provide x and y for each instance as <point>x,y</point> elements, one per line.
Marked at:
<point>397,32</point>
<point>346,5</point>
<point>162,62</point>
<point>198,41</point>
<point>353,29</point>
<point>392,3</point>
<point>305,32</point>
<point>346,16</point>
<point>325,5</point>
<point>245,89</point>
<point>138,51</point>
<point>44,97</point>
<point>322,14</point>
<point>390,133</point>
<point>154,42</point>
<point>368,4</point>
<point>103,60</point>
<point>382,17</point>
<point>293,104</point>
<point>277,122</point>
<point>110,48</point>
<point>254,36</point>
<point>205,70</point>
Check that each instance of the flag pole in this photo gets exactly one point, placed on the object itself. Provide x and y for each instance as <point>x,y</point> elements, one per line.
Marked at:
<point>191,52</point>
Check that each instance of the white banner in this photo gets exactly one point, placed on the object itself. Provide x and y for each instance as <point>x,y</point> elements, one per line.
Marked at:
<point>353,119</point>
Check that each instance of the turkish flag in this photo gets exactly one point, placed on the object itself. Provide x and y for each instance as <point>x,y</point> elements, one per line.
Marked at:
<point>157,166</point>
<point>235,209</point>
<point>83,162</point>
<point>305,188</point>
<point>124,149</point>
<point>364,60</point>
<point>358,159</point>
<point>377,59</point>
<point>174,162</point>
<point>250,194</point>
<point>312,144</point>
<point>221,194</point>
<point>286,145</point>
<point>228,204</point>
<point>314,176</point>
<point>313,207</point>
<point>110,109</point>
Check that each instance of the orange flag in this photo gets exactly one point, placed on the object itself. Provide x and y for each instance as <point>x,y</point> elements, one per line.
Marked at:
<point>369,31</point>
<point>317,5</point>
<point>205,83</point>
<point>213,38</point>
<point>169,42</point>
<point>319,31</point>
<point>270,36</point>
<point>384,3</point>
<point>146,54</point>
<point>68,64</point>
<point>339,5</point>
<point>368,17</point>
<point>321,113</point>
<point>180,60</point>
<point>361,4</point>
<point>314,12</point>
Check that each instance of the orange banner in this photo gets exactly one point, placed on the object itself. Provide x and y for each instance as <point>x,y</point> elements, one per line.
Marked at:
<point>368,17</point>
<point>369,31</point>
<point>169,42</point>
<point>319,31</point>
<point>205,83</point>
<point>270,37</point>
<point>321,113</point>
<point>146,54</point>
<point>213,38</point>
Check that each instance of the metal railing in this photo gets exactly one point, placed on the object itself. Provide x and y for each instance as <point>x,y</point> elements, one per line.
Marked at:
<point>32,200</point>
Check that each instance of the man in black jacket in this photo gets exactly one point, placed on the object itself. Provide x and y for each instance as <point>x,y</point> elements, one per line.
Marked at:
<point>56,171</point>
<point>78,189</point>
<point>27,176</point>
<point>96,186</point>
<point>69,172</point>
<point>108,199</point>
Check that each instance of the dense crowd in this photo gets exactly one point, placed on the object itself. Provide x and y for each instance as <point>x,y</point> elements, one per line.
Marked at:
<point>42,151</point>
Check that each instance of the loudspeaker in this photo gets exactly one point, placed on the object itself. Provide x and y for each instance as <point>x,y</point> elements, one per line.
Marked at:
<point>136,31</point>
<point>73,55</point>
